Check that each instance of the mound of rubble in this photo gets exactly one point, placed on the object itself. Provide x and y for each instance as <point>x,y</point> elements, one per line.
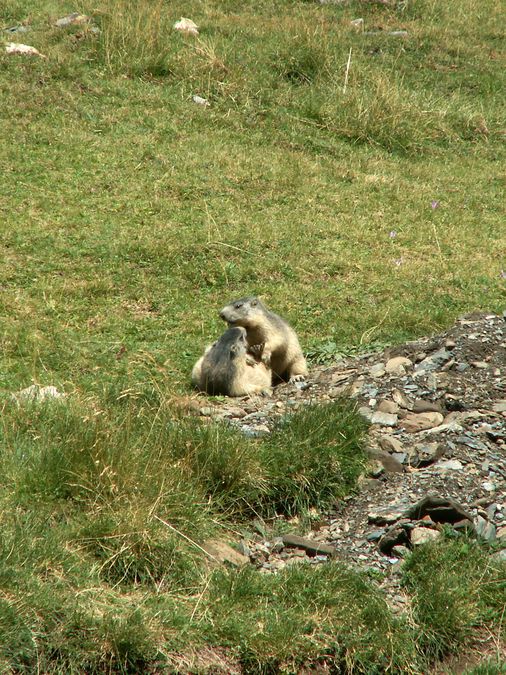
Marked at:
<point>437,440</point>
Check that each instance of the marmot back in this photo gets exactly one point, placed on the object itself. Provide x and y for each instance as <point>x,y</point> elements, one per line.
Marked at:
<point>228,368</point>
<point>281,348</point>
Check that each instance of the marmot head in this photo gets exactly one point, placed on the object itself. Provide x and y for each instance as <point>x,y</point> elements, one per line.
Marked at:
<point>232,343</point>
<point>243,312</point>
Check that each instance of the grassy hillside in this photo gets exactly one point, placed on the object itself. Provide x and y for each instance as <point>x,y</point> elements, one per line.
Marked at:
<point>354,179</point>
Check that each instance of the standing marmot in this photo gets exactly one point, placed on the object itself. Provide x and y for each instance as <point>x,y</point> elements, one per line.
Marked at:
<point>229,368</point>
<point>281,349</point>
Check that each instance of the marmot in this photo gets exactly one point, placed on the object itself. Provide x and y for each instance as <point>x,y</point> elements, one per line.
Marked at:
<point>281,348</point>
<point>230,368</point>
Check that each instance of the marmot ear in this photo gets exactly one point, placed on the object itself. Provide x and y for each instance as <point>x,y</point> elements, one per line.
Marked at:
<point>254,303</point>
<point>233,350</point>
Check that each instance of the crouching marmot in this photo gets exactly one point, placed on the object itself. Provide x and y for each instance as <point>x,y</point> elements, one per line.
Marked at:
<point>230,368</point>
<point>281,349</point>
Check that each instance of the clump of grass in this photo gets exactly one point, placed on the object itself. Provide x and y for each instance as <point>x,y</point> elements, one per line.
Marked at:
<point>313,458</point>
<point>456,586</point>
<point>136,37</point>
<point>303,617</point>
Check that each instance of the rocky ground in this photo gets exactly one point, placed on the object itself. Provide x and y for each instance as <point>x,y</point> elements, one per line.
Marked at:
<point>437,441</point>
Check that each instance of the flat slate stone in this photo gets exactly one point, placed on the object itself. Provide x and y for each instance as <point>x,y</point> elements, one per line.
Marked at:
<point>308,545</point>
<point>440,510</point>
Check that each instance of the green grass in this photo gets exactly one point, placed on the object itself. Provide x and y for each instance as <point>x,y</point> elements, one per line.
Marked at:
<point>130,216</point>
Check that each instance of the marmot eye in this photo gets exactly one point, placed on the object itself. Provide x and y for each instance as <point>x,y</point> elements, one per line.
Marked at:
<point>254,303</point>
<point>238,305</point>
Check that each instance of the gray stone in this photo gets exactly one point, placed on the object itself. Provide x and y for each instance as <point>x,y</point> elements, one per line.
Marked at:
<point>388,407</point>
<point>421,406</point>
<point>401,399</point>
<point>220,552</point>
<point>484,529</point>
<point>390,443</point>
<point>384,419</point>
<point>450,465</point>
<point>312,547</point>
<point>378,370</point>
<point>499,406</point>
<point>428,453</point>
<point>366,412</point>
<point>20,28</point>
<point>398,365</point>
<point>38,394</point>
<point>72,20</point>
<point>376,535</point>
<point>414,422</point>
<point>501,533</point>
<point>433,361</point>
<point>388,462</point>
<point>423,535</point>
<point>439,509</point>
<point>206,412</point>
<point>400,551</point>
<point>471,442</point>
<point>395,536</point>
<point>199,100</point>
<point>387,514</point>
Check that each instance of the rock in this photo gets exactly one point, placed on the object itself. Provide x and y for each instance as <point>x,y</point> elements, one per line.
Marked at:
<point>388,407</point>
<point>434,361</point>
<point>501,533</point>
<point>423,535</point>
<point>471,442</point>
<point>387,514</point>
<point>220,552</point>
<point>186,26</point>
<point>384,419</point>
<point>479,364</point>
<point>400,551</point>
<point>465,527</point>
<point>401,399</point>
<point>395,536</point>
<point>489,486</point>
<point>200,101</point>
<point>390,443</point>
<point>427,453</point>
<point>378,370</point>
<point>376,535</point>
<point>72,19</point>
<point>421,406</point>
<point>38,394</point>
<point>450,465</point>
<point>20,28</point>
<point>390,463</point>
<point>499,406</point>
<point>439,509</point>
<point>366,412</point>
<point>312,547</point>
<point>19,48</point>
<point>484,529</point>
<point>398,365</point>
<point>414,422</point>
